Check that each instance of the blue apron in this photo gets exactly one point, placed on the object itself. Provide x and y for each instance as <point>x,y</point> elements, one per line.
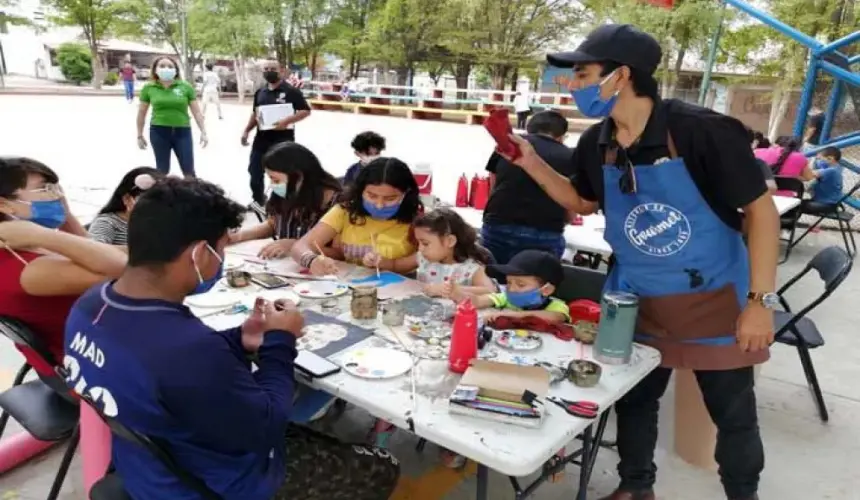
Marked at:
<point>689,269</point>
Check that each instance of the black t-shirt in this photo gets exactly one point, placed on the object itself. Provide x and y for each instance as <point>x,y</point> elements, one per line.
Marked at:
<point>816,123</point>
<point>282,94</point>
<point>715,148</point>
<point>517,199</point>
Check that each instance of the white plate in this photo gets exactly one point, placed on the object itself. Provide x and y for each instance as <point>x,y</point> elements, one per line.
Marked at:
<point>376,363</point>
<point>320,289</point>
<point>215,299</point>
<point>271,296</point>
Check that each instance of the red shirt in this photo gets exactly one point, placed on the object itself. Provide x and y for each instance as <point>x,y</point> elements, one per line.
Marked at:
<point>46,316</point>
<point>127,74</point>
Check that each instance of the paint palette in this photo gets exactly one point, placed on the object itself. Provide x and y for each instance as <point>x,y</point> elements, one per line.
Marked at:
<point>219,299</point>
<point>518,340</point>
<point>385,278</point>
<point>376,363</point>
<point>321,289</point>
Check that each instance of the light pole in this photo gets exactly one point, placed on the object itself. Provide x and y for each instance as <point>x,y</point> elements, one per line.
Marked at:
<point>712,57</point>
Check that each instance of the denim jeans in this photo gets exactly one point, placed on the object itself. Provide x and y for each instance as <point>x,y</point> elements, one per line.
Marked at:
<point>128,85</point>
<point>178,140</point>
<point>730,399</point>
<point>506,240</point>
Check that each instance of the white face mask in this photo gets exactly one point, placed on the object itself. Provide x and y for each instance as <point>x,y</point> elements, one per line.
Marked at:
<point>364,160</point>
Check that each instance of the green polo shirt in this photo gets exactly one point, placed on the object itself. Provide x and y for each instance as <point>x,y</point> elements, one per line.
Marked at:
<point>169,104</point>
<point>500,301</point>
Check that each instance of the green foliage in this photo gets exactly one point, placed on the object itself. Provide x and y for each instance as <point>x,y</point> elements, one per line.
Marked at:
<point>96,18</point>
<point>111,78</point>
<point>75,62</point>
<point>8,19</point>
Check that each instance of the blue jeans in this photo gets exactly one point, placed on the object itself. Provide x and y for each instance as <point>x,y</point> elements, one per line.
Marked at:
<point>128,85</point>
<point>506,240</point>
<point>176,139</point>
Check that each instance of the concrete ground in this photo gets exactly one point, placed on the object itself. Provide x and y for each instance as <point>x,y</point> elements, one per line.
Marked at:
<point>90,141</point>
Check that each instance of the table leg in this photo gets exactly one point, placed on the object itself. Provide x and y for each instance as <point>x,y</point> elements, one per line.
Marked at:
<point>483,478</point>
<point>585,466</point>
<point>95,446</point>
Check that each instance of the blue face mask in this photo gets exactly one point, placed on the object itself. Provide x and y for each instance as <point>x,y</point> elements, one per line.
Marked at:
<point>205,285</point>
<point>384,213</point>
<point>526,299</point>
<point>589,102</point>
<point>279,190</point>
<point>50,214</point>
<point>821,164</point>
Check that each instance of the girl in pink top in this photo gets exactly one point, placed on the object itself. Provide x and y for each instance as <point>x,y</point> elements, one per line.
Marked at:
<point>784,159</point>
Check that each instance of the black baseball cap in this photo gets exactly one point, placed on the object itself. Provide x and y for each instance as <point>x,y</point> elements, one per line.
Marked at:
<point>543,265</point>
<point>620,43</point>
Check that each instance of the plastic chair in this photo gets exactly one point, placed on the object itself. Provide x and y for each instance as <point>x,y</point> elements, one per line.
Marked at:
<point>788,220</point>
<point>44,407</point>
<point>793,328</point>
<point>837,211</point>
<point>581,283</point>
<point>110,487</point>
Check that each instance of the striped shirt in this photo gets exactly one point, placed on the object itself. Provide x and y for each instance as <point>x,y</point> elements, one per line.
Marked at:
<point>299,222</point>
<point>109,228</point>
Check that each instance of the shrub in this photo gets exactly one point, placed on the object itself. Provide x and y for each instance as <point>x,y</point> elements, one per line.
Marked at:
<point>75,62</point>
<point>111,78</point>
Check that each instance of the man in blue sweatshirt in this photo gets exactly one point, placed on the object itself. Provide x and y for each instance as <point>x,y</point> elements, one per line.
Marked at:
<point>146,360</point>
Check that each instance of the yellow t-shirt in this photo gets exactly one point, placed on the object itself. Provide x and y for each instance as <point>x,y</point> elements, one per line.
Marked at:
<point>392,237</point>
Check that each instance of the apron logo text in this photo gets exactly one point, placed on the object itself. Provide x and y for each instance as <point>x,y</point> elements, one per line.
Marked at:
<point>657,229</point>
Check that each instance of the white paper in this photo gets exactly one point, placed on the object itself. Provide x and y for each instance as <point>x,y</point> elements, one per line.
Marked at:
<point>270,114</point>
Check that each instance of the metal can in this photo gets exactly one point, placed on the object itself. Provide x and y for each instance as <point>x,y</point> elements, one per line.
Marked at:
<point>393,313</point>
<point>618,312</point>
<point>364,302</point>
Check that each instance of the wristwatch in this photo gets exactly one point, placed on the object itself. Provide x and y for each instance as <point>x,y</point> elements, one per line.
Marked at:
<point>768,299</point>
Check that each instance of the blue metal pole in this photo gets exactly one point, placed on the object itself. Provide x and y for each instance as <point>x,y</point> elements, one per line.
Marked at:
<point>775,24</point>
<point>832,109</point>
<point>847,76</point>
<point>847,142</point>
<point>806,97</point>
<point>833,46</point>
<point>854,59</point>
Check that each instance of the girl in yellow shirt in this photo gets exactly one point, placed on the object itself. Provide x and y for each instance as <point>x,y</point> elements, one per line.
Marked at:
<point>374,217</point>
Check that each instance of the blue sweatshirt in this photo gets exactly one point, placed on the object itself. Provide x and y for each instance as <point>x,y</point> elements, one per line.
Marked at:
<point>161,371</point>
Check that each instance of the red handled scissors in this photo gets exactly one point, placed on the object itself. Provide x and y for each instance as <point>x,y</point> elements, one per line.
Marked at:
<point>582,409</point>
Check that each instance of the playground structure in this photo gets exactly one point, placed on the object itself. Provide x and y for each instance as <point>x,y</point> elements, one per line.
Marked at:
<point>824,58</point>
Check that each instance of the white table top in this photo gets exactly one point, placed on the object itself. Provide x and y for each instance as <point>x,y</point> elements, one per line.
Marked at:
<point>589,236</point>
<point>506,448</point>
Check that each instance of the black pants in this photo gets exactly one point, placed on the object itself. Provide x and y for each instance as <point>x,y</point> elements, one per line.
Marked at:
<point>730,398</point>
<point>521,118</point>
<point>256,171</point>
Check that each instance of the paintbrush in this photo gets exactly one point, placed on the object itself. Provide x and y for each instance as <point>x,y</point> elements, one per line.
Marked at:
<point>373,243</point>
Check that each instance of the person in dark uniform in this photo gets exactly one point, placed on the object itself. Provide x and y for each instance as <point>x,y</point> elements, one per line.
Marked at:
<point>276,91</point>
<point>814,125</point>
<point>519,214</point>
<point>672,179</point>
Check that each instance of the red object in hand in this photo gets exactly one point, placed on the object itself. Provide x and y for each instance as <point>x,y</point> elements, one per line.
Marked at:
<point>498,124</point>
<point>464,337</point>
<point>462,199</point>
<point>584,310</point>
<point>480,193</point>
<point>664,4</point>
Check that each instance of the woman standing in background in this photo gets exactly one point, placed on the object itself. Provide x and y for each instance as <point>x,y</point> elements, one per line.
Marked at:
<point>170,126</point>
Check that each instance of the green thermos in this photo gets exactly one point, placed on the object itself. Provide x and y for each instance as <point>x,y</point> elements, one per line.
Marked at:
<point>614,344</point>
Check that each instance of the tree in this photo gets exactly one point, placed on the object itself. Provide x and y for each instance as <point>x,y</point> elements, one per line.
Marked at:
<point>96,18</point>
<point>404,33</point>
<point>159,21</point>
<point>75,62</point>
<point>6,18</point>
<point>312,29</point>
<point>349,31</point>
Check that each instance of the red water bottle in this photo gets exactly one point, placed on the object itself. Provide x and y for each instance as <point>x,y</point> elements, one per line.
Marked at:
<point>464,337</point>
<point>472,187</point>
<point>481,194</point>
<point>462,199</point>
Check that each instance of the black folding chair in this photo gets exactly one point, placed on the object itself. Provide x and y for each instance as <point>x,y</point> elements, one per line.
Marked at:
<point>581,283</point>
<point>44,407</point>
<point>110,487</point>
<point>839,212</point>
<point>788,220</point>
<point>793,328</point>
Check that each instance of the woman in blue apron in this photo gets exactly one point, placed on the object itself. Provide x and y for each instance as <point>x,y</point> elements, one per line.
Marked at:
<point>671,178</point>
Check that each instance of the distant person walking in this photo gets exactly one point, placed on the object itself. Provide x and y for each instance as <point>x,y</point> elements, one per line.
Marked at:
<point>270,99</point>
<point>171,98</point>
<point>523,109</point>
<point>211,90</point>
<point>127,74</point>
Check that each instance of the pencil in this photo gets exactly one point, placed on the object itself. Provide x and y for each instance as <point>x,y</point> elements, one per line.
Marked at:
<point>373,245</point>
